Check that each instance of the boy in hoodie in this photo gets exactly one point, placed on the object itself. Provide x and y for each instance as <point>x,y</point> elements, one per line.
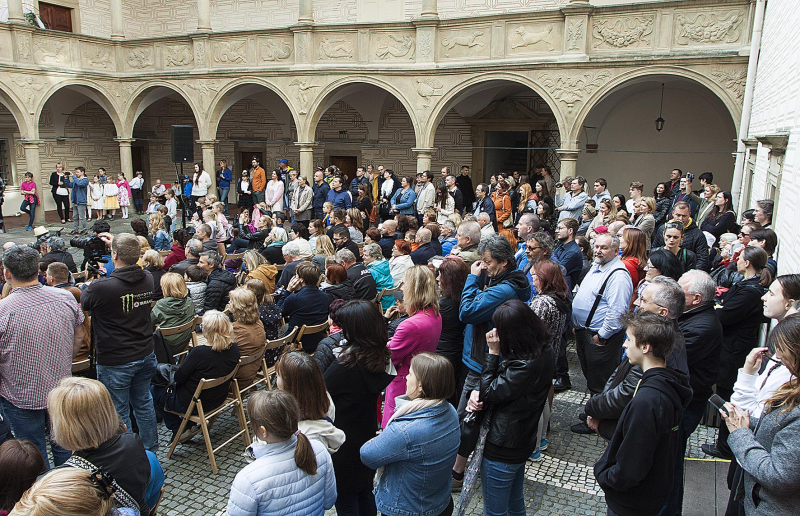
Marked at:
<point>636,470</point>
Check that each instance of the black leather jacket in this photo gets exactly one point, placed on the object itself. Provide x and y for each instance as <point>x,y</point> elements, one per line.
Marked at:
<point>516,391</point>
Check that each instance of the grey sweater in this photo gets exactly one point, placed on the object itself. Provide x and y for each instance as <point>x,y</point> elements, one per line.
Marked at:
<point>769,459</point>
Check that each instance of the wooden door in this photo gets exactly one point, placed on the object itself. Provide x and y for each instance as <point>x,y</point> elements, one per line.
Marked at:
<point>347,164</point>
<point>56,17</point>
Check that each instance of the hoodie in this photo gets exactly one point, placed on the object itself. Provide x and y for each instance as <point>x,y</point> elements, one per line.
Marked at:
<point>170,312</point>
<point>478,306</point>
<point>219,284</point>
<point>636,470</point>
<point>120,310</point>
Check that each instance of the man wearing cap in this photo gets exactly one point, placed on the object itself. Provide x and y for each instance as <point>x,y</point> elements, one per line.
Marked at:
<point>321,189</point>
<point>259,178</point>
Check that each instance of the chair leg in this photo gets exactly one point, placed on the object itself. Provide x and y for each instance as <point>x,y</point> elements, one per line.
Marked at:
<point>243,423</point>
<point>180,430</point>
<point>207,438</point>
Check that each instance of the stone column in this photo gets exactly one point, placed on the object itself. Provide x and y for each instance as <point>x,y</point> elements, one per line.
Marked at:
<point>15,12</point>
<point>423,159</point>
<point>569,162</point>
<point>307,160</point>
<point>125,159</point>
<point>117,24</point>
<point>203,16</point>
<point>306,15</point>
<point>34,166</point>
<point>429,9</point>
<point>209,164</point>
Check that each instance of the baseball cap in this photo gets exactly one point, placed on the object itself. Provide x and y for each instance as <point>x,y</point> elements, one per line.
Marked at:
<point>320,169</point>
<point>283,161</point>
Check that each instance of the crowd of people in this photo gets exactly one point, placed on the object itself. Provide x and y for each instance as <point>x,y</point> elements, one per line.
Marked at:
<point>449,310</point>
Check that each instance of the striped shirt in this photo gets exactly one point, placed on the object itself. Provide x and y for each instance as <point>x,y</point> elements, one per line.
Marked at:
<point>37,330</point>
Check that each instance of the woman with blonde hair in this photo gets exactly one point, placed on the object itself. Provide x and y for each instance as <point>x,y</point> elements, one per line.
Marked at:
<point>83,419</point>
<point>286,463</point>
<point>174,309</point>
<point>248,332</point>
<point>153,262</point>
<point>259,268</point>
<point>214,359</point>
<point>643,217</point>
<point>707,202</point>
<point>420,332</point>
<point>323,249</point>
<point>159,231</point>
<point>355,225</point>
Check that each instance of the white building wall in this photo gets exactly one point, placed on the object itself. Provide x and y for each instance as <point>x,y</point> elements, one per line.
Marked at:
<point>776,109</point>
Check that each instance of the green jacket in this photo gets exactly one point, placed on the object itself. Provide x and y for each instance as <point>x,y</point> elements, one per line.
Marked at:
<point>383,279</point>
<point>173,311</point>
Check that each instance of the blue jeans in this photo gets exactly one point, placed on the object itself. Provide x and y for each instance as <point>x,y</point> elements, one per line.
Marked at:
<point>34,426</point>
<point>501,485</point>
<point>691,418</point>
<point>223,196</point>
<point>129,386</point>
<point>156,480</point>
<point>30,209</point>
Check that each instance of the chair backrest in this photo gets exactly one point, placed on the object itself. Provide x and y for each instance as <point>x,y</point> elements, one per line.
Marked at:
<point>279,267</point>
<point>214,382</point>
<point>164,253</point>
<point>83,365</point>
<point>286,339</point>
<point>255,357</point>
<point>309,330</point>
<point>174,330</point>
<point>388,292</point>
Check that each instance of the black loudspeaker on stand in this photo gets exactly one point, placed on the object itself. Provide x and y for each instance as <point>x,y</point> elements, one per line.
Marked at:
<point>182,152</point>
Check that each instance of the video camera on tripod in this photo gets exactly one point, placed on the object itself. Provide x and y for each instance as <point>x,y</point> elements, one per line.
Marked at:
<point>93,246</point>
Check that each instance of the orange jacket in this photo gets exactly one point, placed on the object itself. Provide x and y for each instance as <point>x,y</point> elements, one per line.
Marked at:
<point>259,179</point>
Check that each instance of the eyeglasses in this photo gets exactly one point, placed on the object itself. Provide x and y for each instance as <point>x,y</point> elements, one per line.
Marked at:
<point>674,225</point>
<point>743,234</point>
<point>533,248</point>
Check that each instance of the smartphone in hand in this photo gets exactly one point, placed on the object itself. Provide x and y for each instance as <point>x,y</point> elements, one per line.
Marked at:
<point>718,403</point>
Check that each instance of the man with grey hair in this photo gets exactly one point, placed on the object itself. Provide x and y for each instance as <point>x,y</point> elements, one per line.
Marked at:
<point>425,251</point>
<point>448,237</point>
<point>56,248</point>
<point>363,283</point>
<point>204,235</point>
<point>603,297</point>
<point>486,225</point>
<point>291,257</point>
<point>528,224</point>
<point>468,237</point>
<point>762,213</point>
<point>378,266</point>
<point>219,282</point>
<point>192,249</point>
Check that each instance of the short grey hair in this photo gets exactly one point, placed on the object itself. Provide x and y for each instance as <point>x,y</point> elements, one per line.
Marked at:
<point>291,248</point>
<point>21,262</point>
<point>614,239</point>
<point>424,235</point>
<point>700,282</point>
<point>213,257</point>
<point>374,250</point>
<point>345,256</point>
<point>194,247</point>
<point>206,229</point>
<point>500,249</point>
<point>56,243</point>
<point>450,225</point>
<point>483,216</point>
<point>471,230</point>
<point>669,295</point>
<point>532,220</point>
<point>545,241</point>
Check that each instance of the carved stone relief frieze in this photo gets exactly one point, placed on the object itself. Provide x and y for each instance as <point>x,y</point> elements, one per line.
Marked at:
<point>52,51</point>
<point>178,55</point>
<point>428,88</point>
<point>200,52</point>
<point>394,46</point>
<point>204,91</point>
<point>426,44</point>
<point>24,47</point>
<point>230,52</point>
<point>732,79</point>
<point>29,89</point>
<point>464,44</point>
<point>122,92</point>
<point>334,47</point>
<point>709,29</point>
<point>536,38</point>
<point>96,56</point>
<point>574,34</point>
<point>571,88</point>
<point>275,49</point>
<point>302,90</point>
<point>631,31</point>
<point>139,58</point>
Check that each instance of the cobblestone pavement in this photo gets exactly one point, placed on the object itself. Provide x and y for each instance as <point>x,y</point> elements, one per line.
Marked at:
<point>562,484</point>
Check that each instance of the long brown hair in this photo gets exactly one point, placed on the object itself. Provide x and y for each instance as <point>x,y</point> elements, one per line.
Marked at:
<point>785,336</point>
<point>278,412</point>
<point>21,463</point>
<point>453,274</point>
<point>636,245</point>
<point>301,376</point>
<point>551,279</point>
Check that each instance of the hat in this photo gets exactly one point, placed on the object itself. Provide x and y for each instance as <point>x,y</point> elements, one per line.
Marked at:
<point>601,229</point>
<point>39,231</point>
<point>589,210</point>
<point>283,161</point>
<point>398,294</point>
<point>320,169</point>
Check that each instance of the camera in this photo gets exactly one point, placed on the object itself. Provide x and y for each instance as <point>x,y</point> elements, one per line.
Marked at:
<point>92,245</point>
<point>37,246</point>
<point>559,185</point>
<point>690,176</point>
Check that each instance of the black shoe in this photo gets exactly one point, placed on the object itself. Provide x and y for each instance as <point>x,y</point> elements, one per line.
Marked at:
<point>581,428</point>
<point>711,449</point>
<point>582,416</point>
<point>562,384</point>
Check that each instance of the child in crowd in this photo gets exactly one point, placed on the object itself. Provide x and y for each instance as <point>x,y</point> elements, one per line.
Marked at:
<point>411,237</point>
<point>160,235</point>
<point>98,201</point>
<point>327,210</point>
<point>636,470</point>
<point>286,463</point>
<point>223,233</point>
<point>20,464</point>
<point>164,212</point>
<point>124,194</point>
<point>211,221</point>
<point>152,207</point>
<point>196,283</point>
<point>172,211</point>
<point>111,204</point>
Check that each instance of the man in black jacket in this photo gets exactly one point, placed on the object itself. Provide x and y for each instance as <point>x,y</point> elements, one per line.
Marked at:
<point>56,248</point>
<point>193,249</point>
<point>363,282</point>
<point>123,334</point>
<point>306,303</point>
<point>219,282</point>
<point>425,251</point>
<point>341,240</point>
<point>464,184</point>
<point>485,204</point>
<point>386,242</point>
<point>637,468</point>
<point>320,189</point>
<point>337,221</point>
<point>693,239</point>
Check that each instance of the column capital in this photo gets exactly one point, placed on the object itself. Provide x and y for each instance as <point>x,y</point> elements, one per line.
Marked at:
<point>31,143</point>
<point>207,143</point>
<point>568,154</point>
<point>125,141</point>
<point>423,150</point>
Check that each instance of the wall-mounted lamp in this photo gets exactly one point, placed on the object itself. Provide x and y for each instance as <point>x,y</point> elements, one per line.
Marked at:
<point>660,119</point>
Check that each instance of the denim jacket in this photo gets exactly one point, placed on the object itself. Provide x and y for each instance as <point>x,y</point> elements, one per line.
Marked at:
<point>417,452</point>
<point>404,201</point>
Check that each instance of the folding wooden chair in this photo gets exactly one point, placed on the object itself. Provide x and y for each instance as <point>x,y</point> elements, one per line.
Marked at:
<point>245,361</point>
<point>155,507</point>
<point>266,373</point>
<point>202,418</point>
<point>199,337</point>
<point>174,330</point>
<point>306,330</point>
<point>164,253</point>
<point>234,256</point>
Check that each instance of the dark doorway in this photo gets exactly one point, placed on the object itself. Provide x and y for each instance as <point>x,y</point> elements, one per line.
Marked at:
<point>509,152</point>
<point>347,164</point>
<point>56,17</point>
<point>137,159</point>
<point>246,163</point>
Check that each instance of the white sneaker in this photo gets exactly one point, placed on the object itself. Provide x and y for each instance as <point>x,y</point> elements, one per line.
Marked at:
<point>18,214</point>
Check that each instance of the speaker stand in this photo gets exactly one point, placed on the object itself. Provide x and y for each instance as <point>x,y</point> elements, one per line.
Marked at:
<point>184,199</point>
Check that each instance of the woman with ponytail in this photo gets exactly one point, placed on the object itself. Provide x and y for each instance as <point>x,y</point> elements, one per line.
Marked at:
<point>767,447</point>
<point>290,474</point>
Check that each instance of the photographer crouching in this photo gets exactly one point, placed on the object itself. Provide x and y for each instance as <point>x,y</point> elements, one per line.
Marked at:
<point>95,248</point>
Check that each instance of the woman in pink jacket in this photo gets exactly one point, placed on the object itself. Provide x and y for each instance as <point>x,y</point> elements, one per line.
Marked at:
<point>420,332</point>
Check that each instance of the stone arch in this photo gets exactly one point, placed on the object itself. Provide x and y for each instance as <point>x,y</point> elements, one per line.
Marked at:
<point>734,108</point>
<point>12,103</point>
<point>243,88</point>
<point>449,99</point>
<point>91,90</point>
<point>340,88</point>
<point>146,95</point>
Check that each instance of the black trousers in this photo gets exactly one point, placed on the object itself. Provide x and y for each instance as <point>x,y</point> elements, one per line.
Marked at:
<point>598,362</point>
<point>62,205</point>
<point>137,199</point>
